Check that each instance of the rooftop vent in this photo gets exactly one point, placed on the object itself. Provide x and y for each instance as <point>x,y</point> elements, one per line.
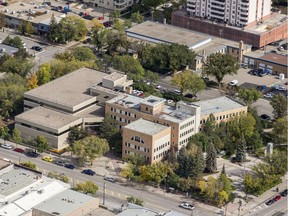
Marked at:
<point>152,101</point>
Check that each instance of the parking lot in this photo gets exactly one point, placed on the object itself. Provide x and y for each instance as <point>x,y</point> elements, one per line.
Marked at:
<point>245,79</point>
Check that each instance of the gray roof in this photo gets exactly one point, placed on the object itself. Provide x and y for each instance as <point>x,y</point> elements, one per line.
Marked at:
<point>153,100</point>
<point>64,203</point>
<point>133,210</point>
<point>146,127</point>
<point>69,90</point>
<point>217,105</point>
<point>44,117</point>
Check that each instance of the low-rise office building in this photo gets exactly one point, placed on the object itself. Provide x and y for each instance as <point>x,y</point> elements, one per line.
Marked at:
<point>184,123</point>
<point>148,139</point>
<point>119,5</point>
<point>223,109</point>
<point>76,99</point>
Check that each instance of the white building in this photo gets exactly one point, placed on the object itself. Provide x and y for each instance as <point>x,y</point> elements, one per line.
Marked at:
<point>234,12</point>
<point>110,4</point>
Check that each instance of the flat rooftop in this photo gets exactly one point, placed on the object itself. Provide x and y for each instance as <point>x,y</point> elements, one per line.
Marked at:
<point>15,180</point>
<point>146,127</point>
<point>43,117</point>
<point>114,76</point>
<point>160,33</point>
<point>217,105</point>
<point>32,11</point>
<point>69,90</point>
<point>64,203</point>
<point>153,100</point>
<point>3,164</point>
<point>133,102</point>
<point>275,58</point>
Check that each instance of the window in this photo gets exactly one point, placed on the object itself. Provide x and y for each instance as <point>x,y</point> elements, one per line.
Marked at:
<point>146,108</point>
<point>137,139</point>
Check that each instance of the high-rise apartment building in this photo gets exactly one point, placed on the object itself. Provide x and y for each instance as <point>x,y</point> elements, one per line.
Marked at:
<point>234,12</point>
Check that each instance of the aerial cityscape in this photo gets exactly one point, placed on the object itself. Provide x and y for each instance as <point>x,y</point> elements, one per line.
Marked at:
<point>143,107</point>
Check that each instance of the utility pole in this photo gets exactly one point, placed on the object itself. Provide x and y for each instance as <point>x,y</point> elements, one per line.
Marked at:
<point>104,193</point>
<point>239,209</point>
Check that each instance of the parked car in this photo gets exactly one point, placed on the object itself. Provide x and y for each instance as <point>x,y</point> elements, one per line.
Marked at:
<point>89,172</point>
<point>280,88</point>
<point>60,163</point>
<point>243,65</point>
<point>176,91</point>
<point>110,179</point>
<point>6,146</point>
<point>270,202</point>
<point>158,87</point>
<point>268,95</point>
<point>191,96</point>
<point>280,48</point>
<point>284,193</point>
<point>32,154</point>
<point>169,101</point>
<point>265,117</point>
<point>37,48</point>
<point>277,198</point>
<point>69,166</point>
<point>48,159</point>
<point>261,72</point>
<point>108,24</point>
<point>101,18</point>
<point>233,83</point>
<point>186,206</point>
<point>19,150</point>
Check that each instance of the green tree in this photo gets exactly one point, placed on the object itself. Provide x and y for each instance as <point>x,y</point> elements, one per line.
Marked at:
<point>87,187</point>
<point>152,3</point>
<point>2,20</point>
<point>210,125</point>
<point>241,150</point>
<point>41,143</point>
<point>151,76</point>
<point>29,29</point>
<point>191,161</point>
<point>29,164</point>
<point>187,80</point>
<point>99,38</point>
<point>249,96</point>
<point>12,87</point>
<point>279,104</point>
<point>115,41</point>
<point>54,30</point>
<point>255,142</point>
<point>211,159</point>
<point>76,134</point>
<point>108,128</point>
<point>90,148</point>
<point>218,65</point>
<point>280,129</point>
<point>83,54</point>
<point>43,74</point>
<point>137,17</point>
<point>278,162</point>
<point>129,66</point>
<point>16,136</point>
<point>58,176</point>
<point>17,42</point>
<point>4,133</point>
<point>134,200</point>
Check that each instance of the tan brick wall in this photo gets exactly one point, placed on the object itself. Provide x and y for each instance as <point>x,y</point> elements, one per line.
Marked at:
<point>277,69</point>
<point>148,143</point>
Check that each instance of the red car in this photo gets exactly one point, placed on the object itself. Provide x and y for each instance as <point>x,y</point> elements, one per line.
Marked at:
<point>19,150</point>
<point>278,197</point>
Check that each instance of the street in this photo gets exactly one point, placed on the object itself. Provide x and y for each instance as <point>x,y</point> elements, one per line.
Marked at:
<point>115,193</point>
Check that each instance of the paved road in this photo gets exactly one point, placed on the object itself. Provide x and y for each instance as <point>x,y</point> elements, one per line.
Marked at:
<point>119,192</point>
<point>277,209</point>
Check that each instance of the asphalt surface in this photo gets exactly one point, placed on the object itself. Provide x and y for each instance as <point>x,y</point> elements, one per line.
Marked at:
<point>115,193</point>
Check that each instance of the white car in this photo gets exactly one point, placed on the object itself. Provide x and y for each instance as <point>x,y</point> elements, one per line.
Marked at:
<point>6,146</point>
<point>233,82</point>
<point>169,101</point>
<point>176,91</point>
<point>110,179</point>
<point>281,88</point>
<point>268,95</point>
<point>186,206</point>
<point>158,86</point>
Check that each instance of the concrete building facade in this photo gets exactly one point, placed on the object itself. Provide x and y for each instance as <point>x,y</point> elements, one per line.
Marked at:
<point>234,12</point>
<point>148,139</point>
<point>78,102</point>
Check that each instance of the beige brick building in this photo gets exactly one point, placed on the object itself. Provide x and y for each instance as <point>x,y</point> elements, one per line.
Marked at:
<point>128,108</point>
<point>148,139</point>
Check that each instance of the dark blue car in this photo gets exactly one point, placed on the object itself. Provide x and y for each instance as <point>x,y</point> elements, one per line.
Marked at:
<point>89,172</point>
<point>69,166</point>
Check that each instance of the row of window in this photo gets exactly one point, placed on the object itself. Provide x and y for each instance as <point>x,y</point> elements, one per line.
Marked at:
<point>139,148</point>
<point>162,146</point>
<point>122,112</point>
<point>137,139</point>
<point>127,121</point>
<point>184,141</point>
<point>224,116</point>
<point>186,125</point>
<point>161,154</point>
<point>186,132</point>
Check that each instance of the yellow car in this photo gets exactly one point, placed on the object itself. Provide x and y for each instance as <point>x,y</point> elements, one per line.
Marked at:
<point>47,158</point>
